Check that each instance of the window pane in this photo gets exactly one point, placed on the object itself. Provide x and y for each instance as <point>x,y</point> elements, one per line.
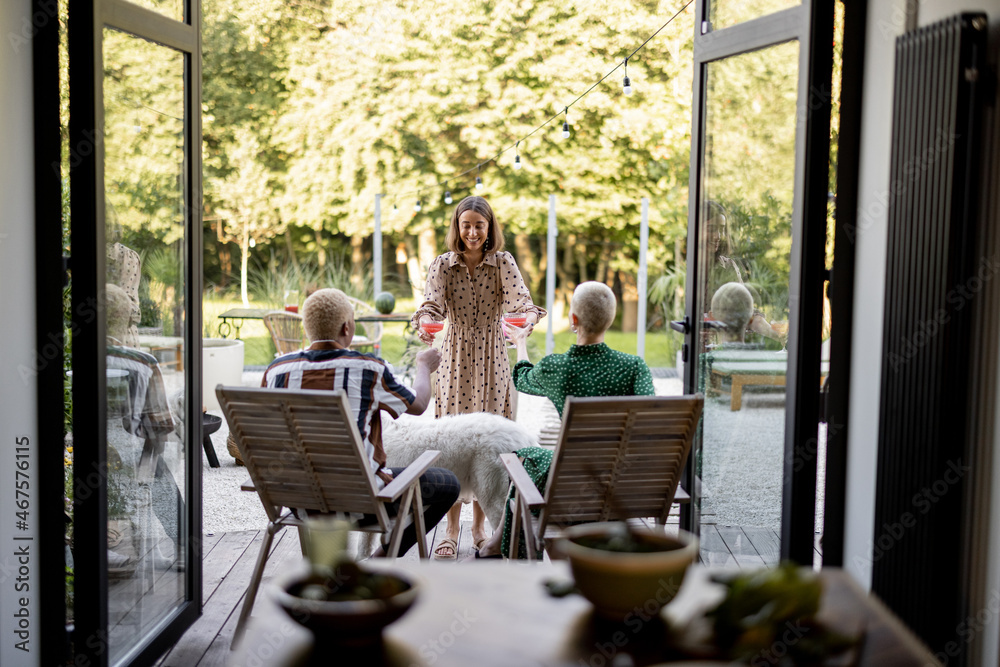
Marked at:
<point>725,13</point>
<point>144,166</point>
<point>745,241</point>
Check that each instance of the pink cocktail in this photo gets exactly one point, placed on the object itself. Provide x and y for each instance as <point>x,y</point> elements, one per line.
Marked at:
<point>516,319</point>
<point>432,327</point>
<point>292,309</point>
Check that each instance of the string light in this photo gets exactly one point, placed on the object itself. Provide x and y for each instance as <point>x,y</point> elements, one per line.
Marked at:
<point>626,88</point>
<point>418,206</point>
<point>447,197</point>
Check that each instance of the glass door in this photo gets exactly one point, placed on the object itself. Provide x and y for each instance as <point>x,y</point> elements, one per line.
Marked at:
<point>752,330</point>
<point>136,266</point>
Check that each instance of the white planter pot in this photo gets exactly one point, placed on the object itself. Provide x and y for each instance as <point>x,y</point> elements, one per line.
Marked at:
<point>222,363</point>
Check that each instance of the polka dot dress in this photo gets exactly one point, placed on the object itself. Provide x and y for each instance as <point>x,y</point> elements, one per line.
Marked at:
<point>123,266</point>
<point>585,370</point>
<point>474,375</point>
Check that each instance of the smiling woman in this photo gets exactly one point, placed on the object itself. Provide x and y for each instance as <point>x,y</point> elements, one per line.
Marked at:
<point>472,286</point>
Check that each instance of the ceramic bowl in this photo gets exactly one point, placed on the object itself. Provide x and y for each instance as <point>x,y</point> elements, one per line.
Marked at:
<point>349,622</point>
<point>622,583</point>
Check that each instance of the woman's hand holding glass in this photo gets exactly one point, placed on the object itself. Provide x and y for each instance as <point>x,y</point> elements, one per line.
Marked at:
<point>429,330</point>
<point>516,327</point>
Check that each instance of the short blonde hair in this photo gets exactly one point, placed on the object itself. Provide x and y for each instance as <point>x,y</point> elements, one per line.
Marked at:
<point>594,305</point>
<point>324,313</point>
<point>732,304</point>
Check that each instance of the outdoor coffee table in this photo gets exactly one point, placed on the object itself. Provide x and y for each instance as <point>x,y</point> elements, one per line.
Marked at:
<point>497,614</point>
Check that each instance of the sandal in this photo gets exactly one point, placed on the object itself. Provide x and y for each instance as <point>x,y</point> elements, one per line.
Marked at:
<point>478,544</point>
<point>446,543</point>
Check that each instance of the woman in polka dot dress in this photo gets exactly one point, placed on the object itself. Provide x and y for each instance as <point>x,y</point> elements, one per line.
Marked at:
<point>472,286</point>
<point>589,368</point>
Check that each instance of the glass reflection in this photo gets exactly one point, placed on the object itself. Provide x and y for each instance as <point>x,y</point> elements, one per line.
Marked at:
<point>172,9</point>
<point>145,318</point>
<point>745,242</point>
<point>725,13</point>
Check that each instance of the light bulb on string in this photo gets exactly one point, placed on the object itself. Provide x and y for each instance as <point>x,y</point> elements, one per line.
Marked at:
<point>418,206</point>
<point>626,84</point>
<point>447,197</point>
<point>517,156</point>
<point>479,180</point>
<point>253,242</point>
<point>565,130</point>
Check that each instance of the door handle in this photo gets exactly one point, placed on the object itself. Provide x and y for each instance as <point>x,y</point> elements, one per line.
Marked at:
<point>713,324</point>
<point>683,326</point>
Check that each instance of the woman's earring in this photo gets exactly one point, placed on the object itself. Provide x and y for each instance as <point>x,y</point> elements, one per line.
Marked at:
<point>487,244</point>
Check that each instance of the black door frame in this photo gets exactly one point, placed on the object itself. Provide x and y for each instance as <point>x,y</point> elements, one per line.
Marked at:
<point>87,20</point>
<point>811,24</point>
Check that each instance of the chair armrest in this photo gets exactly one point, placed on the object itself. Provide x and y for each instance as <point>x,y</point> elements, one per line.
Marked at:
<point>412,473</point>
<point>247,485</point>
<point>519,476</point>
<point>681,496</point>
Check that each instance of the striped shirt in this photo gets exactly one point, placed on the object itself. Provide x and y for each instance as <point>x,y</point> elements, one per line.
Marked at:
<point>148,413</point>
<point>366,379</point>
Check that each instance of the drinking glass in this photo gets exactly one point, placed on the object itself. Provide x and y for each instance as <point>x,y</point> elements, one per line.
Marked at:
<point>292,300</point>
<point>781,328</point>
<point>433,328</point>
<point>515,320</point>
<point>326,541</point>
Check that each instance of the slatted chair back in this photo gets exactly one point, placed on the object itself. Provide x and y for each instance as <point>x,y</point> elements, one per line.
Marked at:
<point>302,449</point>
<point>366,334</point>
<point>286,331</point>
<point>619,457</point>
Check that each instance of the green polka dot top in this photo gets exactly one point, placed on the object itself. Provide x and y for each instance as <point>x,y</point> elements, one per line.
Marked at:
<point>585,370</point>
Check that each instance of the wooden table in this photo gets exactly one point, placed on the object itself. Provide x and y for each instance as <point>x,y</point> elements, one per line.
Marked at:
<point>494,614</point>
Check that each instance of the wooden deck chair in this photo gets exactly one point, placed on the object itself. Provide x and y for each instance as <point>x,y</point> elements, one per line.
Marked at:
<point>617,457</point>
<point>366,334</point>
<point>286,331</point>
<point>303,452</point>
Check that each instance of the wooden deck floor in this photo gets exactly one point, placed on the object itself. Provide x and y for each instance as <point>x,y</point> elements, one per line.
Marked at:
<point>229,559</point>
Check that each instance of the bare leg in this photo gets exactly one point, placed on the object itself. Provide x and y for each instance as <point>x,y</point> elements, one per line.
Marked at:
<point>478,523</point>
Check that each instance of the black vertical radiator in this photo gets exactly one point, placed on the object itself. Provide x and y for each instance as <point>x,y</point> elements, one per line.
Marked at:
<point>933,272</point>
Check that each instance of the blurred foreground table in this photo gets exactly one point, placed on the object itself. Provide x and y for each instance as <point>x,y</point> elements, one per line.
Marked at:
<point>486,614</point>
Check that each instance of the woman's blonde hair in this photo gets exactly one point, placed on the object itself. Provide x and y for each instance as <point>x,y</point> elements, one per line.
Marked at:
<point>594,305</point>
<point>324,313</point>
<point>494,235</point>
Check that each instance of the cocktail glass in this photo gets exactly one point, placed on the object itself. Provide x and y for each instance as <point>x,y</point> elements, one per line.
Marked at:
<point>781,328</point>
<point>515,320</point>
<point>433,328</point>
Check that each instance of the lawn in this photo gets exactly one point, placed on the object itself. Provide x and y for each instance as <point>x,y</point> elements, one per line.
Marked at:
<point>661,346</point>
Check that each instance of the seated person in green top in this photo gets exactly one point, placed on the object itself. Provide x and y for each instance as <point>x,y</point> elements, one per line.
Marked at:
<point>589,368</point>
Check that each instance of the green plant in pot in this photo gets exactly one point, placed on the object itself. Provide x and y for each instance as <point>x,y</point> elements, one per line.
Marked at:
<point>344,604</point>
<point>618,568</point>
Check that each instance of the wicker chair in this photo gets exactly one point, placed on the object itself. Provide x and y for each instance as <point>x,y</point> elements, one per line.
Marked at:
<point>286,331</point>
<point>372,330</point>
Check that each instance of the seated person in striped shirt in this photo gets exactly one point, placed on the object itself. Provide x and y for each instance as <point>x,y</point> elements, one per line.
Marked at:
<point>329,363</point>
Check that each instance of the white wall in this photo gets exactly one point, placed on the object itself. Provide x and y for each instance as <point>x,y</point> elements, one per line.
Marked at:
<point>17,328</point>
<point>886,20</point>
